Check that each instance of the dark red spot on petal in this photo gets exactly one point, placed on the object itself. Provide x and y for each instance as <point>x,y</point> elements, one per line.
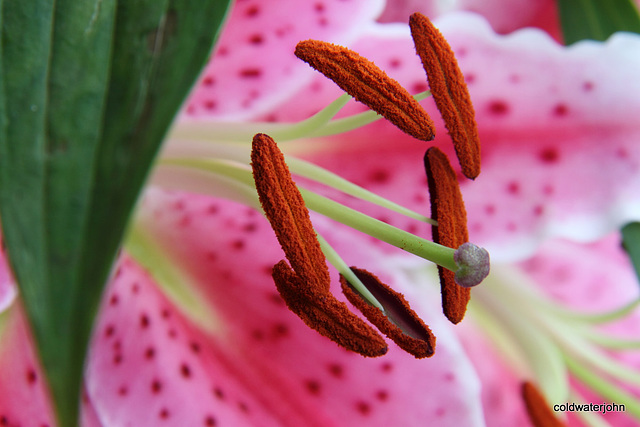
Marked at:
<point>135,288</point>
<point>549,155</point>
<point>469,78</point>
<point>490,210</point>
<point>156,386</point>
<point>588,86</point>
<point>209,81</point>
<point>319,7</point>
<point>109,331</point>
<point>209,421</point>
<point>312,386</point>
<point>560,110</point>
<point>395,63</point>
<point>498,107</point>
<point>336,370</point>
<point>144,321</point>
<point>123,391</point>
<point>382,395</point>
<point>164,414</point>
<point>386,367</point>
<point>252,11</point>
<point>185,371</point>
<point>117,359</point>
<point>243,407</point>
<point>380,176</point>
<point>250,73</point>
<point>113,301</point>
<point>256,39</point>
<point>419,87</point>
<point>195,347</point>
<point>32,377</point>
<point>363,408</point>
<point>210,104</point>
<point>149,353</point>
<point>513,188</point>
<point>538,210</point>
<point>238,244</point>
<point>218,393</point>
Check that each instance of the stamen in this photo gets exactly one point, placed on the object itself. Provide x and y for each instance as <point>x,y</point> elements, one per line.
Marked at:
<point>287,213</point>
<point>324,313</point>
<point>305,285</point>
<point>398,321</point>
<point>367,83</point>
<point>447,208</point>
<point>449,91</point>
<point>537,407</point>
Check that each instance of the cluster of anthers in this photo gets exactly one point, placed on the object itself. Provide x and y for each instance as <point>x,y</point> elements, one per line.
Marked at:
<point>304,282</point>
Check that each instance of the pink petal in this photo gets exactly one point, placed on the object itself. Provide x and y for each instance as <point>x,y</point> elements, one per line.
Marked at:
<point>23,396</point>
<point>261,365</point>
<point>254,66</point>
<point>558,126</point>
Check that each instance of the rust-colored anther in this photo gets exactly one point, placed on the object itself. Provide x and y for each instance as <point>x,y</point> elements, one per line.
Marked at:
<point>305,285</point>
<point>449,91</point>
<point>327,315</point>
<point>447,207</point>
<point>367,83</point>
<point>287,213</point>
<point>538,409</point>
<point>399,322</point>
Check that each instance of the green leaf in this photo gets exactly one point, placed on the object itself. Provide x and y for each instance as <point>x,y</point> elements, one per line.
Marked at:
<point>596,19</point>
<point>88,89</point>
<point>631,244</point>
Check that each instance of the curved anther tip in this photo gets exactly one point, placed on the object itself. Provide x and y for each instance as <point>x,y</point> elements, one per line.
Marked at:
<point>473,265</point>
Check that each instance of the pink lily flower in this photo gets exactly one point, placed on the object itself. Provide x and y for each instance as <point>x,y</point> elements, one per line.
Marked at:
<point>192,330</point>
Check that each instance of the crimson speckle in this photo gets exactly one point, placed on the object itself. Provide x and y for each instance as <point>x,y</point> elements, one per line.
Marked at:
<point>560,110</point>
<point>117,359</point>
<point>210,104</point>
<point>238,244</point>
<point>252,11</point>
<point>250,73</point>
<point>195,347</point>
<point>513,188</point>
<point>380,176</point>
<point>32,377</point>
<point>490,210</point>
<point>440,412</point>
<point>144,321</point>
<point>257,335</point>
<point>469,78</point>
<point>243,407</point>
<point>156,386</point>
<point>319,7</point>
<point>109,331</point>
<point>419,87</point>
<point>149,353</point>
<point>123,391</point>
<point>185,371</point>
<point>256,39</point>
<point>395,63</point>
<point>135,288</point>
<point>165,313</point>
<point>363,408</point>
<point>386,367</point>
<point>218,393</point>
<point>336,370</point>
<point>587,86</point>
<point>549,155</point>
<point>313,387</point>
<point>209,421</point>
<point>449,377</point>
<point>280,330</point>
<point>382,395</point>
<point>548,190</point>
<point>164,414</point>
<point>538,210</point>
<point>498,107</point>
<point>113,301</point>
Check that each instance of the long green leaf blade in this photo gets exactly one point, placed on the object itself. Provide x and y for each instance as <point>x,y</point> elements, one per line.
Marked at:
<point>88,89</point>
<point>596,19</point>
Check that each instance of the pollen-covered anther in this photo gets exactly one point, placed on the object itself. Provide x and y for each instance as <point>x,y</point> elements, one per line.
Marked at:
<point>538,409</point>
<point>473,265</point>
<point>398,321</point>
<point>447,208</point>
<point>304,285</point>
<point>449,91</point>
<point>367,83</point>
